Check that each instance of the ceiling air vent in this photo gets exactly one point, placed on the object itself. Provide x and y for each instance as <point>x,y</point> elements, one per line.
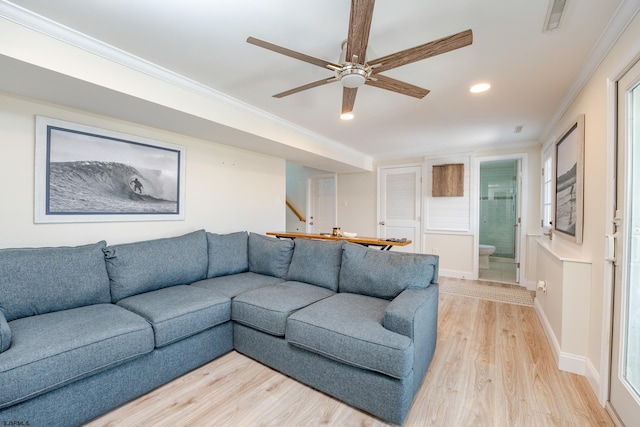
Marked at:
<point>554,14</point>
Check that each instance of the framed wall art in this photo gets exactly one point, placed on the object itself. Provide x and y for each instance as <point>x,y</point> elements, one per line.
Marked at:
<point>569,181</point>
<point>86,174</point>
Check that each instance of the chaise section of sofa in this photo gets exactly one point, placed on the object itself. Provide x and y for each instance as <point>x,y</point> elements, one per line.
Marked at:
<point>367,342</point>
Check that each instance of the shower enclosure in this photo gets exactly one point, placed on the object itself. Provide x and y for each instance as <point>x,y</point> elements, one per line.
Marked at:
<point>498,217</point>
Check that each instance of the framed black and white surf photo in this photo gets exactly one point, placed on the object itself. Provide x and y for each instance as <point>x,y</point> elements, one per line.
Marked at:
<point>569,182</point>
<point>86,174</point>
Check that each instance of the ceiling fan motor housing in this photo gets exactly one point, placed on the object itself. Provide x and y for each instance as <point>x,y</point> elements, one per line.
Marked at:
<point>354,75</point>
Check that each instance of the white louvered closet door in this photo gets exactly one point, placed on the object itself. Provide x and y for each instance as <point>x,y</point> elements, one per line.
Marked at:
<point>400,205</point>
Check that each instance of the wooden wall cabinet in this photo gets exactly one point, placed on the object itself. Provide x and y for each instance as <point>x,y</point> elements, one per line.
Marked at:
<point>448,180</point>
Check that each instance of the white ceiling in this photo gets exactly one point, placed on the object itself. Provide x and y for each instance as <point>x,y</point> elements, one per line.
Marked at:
<point>532,73</point>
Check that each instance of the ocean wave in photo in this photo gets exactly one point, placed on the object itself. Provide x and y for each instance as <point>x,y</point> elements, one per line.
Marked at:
<point>109,187</point>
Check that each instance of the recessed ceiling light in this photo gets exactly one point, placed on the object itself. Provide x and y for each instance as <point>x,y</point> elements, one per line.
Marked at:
<point>346,116</point>
<point>481,87</point>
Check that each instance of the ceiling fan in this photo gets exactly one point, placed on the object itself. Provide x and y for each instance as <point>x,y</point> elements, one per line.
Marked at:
<point>355,70</point>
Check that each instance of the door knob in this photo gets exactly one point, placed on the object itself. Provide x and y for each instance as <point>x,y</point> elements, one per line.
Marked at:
<point>381,223</point>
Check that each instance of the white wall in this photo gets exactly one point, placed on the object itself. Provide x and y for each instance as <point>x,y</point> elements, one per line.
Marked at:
<point>227,189</point>
<point>595,102</point>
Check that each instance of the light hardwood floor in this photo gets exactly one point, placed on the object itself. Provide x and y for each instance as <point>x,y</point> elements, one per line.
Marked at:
<point>492,367</point>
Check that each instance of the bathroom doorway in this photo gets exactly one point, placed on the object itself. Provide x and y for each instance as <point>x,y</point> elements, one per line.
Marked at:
<point>499,218</point>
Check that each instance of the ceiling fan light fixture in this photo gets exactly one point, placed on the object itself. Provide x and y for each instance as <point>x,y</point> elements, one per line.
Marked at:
<point>352,81</point>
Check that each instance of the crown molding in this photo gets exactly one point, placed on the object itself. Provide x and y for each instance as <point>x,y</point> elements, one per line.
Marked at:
<point>626,12</point>
<point>50,28</point>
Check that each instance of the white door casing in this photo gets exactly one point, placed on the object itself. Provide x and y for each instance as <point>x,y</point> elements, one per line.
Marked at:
<point>624,375</point>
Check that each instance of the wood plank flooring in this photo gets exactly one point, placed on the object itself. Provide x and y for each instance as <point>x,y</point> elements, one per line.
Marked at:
<point>492,367</point>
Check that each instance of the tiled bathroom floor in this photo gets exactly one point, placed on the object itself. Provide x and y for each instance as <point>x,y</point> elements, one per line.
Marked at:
<point>499,271</point>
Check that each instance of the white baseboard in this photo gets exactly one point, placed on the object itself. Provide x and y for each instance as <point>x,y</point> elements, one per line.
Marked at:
<point>595,380</point>
<point>565,361</point>
<point>456,274</point>
<point>570,362</point>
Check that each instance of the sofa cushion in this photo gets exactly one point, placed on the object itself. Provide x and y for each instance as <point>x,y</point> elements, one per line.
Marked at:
<point>270,256</point>
<point>384,274</point>
<point>228,253</point>
<point>51,350</point>
<point>267,308</point>
<point>179,311</point>
<point>316,262</point>
<point>348,328</point>
<point>145,266</point>
<point>41,280</point>
<point>235,284</point>
<point>5,334</point>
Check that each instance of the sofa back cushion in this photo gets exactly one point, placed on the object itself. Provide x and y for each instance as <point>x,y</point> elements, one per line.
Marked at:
<point>145,266</point>
<point>228,254</point>
<point>384,274</point>
<point>270,256</point>
<point>316,262</point>
<point>42,280</point>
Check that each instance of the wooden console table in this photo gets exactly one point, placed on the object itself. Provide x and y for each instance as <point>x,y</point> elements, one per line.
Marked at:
<point>383,244</point>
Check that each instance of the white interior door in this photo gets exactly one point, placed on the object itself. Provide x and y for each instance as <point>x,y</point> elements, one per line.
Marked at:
<point>399,199</point>
<point>322,207</point>
<point>624,394</point>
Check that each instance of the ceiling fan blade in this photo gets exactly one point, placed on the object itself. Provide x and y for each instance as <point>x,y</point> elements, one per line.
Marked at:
<point>427,50</point>
<point>290,53</point>
<point>359,29</point>
<point>304,87</point>
<point>348,99</point>
<point>384,82</point>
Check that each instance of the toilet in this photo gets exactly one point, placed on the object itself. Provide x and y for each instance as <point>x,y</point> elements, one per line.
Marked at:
<point>485,252</point>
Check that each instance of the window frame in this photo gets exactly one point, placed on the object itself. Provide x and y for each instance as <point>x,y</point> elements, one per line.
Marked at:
<point>547,196</point>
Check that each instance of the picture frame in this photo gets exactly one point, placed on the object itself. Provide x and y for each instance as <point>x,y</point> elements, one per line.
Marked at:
<point>569,181</point>
<point>88,174</point>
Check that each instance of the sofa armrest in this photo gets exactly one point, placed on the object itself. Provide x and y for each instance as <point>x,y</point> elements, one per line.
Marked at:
<point>414,313</point>
<point>401,314</point>
<point>5,333</point>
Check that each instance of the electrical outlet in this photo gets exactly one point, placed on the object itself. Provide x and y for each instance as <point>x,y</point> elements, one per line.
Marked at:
<point>434,251</point>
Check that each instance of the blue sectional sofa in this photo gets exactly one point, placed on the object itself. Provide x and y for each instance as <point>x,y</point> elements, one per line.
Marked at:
<point>86,329</point>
